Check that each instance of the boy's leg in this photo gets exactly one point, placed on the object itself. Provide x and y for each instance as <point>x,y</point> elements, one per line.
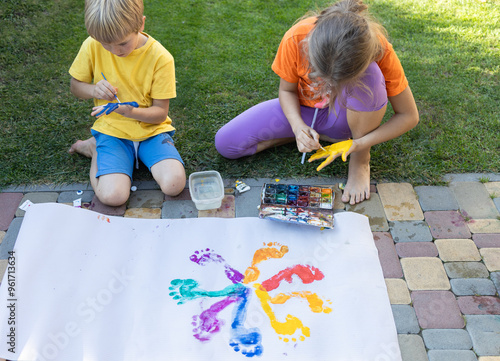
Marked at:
<point>159,154</point>
<point>170,176</point>
<point>83,147</point>
<point>111,169</point>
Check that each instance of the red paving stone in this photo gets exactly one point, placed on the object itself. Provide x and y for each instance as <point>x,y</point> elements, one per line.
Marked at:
<point>447,224</point>
<point>9,202</point>
<point>389,260</point>
<point>98,207</point>
<point>486,240</point>
<point>479,305</point>
<point>437,309</point>
<point>416,249</point>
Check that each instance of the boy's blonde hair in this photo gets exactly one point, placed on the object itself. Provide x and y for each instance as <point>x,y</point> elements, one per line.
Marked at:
<point>344,41</point>
<point>110,21</point>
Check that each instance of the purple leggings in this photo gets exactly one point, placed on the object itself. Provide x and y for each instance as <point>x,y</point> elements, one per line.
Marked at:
<point>266,121</point>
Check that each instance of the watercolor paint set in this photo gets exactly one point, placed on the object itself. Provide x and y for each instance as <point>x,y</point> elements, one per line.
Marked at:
<point>302,204</point>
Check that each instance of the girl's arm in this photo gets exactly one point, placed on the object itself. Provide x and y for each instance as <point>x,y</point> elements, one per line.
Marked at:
<point>289,101</point>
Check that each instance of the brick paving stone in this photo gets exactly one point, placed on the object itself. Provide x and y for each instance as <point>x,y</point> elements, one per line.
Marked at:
<point>3,267</point>
<point>398,291</point>
<point>410,231</point>
<point>425,273</point>
<point>447,224</point>
<point>146,213</point>
<point>69,196</point>
<point>489,358</point>
<point>474,200</point>
<point>479,305</point>
<point>491,240</point>
<point>435,198</point>
<point>179,209</point>
<point>472,287</point>
<point>2,235</point>
<point>182,196</point>
<point>10,238</point>
<point>373,209</point>
<point>466,270</point>
<point>493,189</point>
<point>484,331</point>
<point>447,339</point>
<point>389,260</point>
<point>495,278</point>
<point>400,202</point>
<point>437,309</point>
<point>99,207</point>
<point>405,319</point>
<point>491,258</point>
<point>456,250</point>
<point>412,348</point>
<point>9,202</point>
<point>452,355</point>
<point>226,210</point>
<point>337,201</point>
<point>37,197</point>
<point>247,203</point>
<point>146,199</point>
<point>484,225</point>
<point>416,249</point>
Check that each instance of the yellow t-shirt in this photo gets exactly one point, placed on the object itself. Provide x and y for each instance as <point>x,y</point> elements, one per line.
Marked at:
<point>145,74</point>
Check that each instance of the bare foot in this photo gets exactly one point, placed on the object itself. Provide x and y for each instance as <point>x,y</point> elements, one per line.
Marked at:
<point>83,147</point>
<point>357,188</point>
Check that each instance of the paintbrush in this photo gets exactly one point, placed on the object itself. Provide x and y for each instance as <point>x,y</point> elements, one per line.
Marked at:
<point>309,135</point>
<point>113,94</point>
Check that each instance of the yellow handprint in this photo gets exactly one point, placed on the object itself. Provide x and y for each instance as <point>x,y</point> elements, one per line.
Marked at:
<point>330,152</point>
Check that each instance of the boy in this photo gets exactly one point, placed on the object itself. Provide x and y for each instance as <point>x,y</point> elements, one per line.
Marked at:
<point>119,62</point>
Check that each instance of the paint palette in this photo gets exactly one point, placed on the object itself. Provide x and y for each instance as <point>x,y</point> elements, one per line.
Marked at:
<point>304,204</point>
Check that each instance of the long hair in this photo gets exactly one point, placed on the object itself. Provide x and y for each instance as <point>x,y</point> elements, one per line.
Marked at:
<point>343,42</point>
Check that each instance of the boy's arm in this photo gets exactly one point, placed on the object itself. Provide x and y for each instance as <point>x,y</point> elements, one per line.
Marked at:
<point>101,90</point>
<point>155,114</point>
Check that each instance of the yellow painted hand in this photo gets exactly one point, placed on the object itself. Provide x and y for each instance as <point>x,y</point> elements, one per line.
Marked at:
<point>331,152</point>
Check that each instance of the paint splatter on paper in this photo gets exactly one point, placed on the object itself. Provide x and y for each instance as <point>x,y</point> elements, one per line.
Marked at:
<point>237,294</point>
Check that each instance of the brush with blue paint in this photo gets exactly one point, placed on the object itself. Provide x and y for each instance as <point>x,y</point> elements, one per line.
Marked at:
<point>113,94</point>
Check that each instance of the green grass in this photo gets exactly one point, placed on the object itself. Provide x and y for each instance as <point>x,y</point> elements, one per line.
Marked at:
<point>223,51</point>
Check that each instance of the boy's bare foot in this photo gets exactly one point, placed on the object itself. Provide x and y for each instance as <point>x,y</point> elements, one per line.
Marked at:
<point>83,147</point>
<point>357,188</point>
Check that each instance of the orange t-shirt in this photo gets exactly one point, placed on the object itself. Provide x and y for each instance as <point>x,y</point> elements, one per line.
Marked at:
<point>290,63</point>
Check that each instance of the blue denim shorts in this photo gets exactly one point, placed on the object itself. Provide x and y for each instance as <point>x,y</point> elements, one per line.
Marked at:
<point>115,155</point>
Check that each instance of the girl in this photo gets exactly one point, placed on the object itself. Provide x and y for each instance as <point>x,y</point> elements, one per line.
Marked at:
<point>343,58</point>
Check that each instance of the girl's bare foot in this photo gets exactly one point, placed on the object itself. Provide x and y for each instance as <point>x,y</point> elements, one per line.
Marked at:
<point>84,147</point>
<point>357,188</point>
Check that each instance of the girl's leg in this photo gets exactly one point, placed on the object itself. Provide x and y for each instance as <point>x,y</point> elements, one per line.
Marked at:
<point>258,128</point>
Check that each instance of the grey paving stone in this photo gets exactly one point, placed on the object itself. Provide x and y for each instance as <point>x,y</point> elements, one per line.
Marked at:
<point>472,287</point>
<point>434,198</point>
<point>495,278</point>
<point>179,209</point>
<point>38,197</point>
<point>410,231</point>
<point>484,331</point>
<point>471,177</point>
<point>147,185</point>
<point>9,240</point>
<point>474,200</point>
<point>247,202</point>
<point>405,319</point>
<point>146,199</point>
<point>452,355</point>
<point>447,339</point>
<point>374,210</point>
<point>69,196</point>
<point>466,270</point>
<point>412,348</point>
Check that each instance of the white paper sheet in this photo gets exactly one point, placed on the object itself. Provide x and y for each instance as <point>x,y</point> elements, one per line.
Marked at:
<point>92,287</point>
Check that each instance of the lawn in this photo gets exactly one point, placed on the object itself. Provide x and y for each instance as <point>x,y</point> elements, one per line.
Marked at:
<point>223,52</point>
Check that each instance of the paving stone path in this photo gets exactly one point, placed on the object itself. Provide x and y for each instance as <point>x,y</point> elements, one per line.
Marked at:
<point>439,248</point>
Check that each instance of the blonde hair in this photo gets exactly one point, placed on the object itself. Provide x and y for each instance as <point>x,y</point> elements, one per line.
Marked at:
<point>343,42</point>
<point>109,21</point>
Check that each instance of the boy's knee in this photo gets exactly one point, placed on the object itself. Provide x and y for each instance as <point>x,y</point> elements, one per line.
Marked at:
<point>173,184</point>
<point>114,198</point>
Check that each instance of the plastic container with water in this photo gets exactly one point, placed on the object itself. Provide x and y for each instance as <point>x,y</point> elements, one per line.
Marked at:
<point>206,189</point>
